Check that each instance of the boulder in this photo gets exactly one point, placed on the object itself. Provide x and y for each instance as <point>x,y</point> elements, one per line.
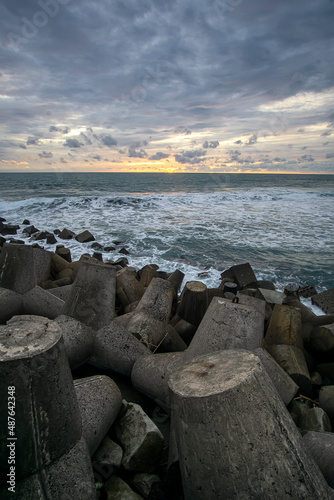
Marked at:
<point>100,401</point>
<point>140,439</point>
<point>84,237</point>
<point>322,339</point>
<point>30,230</point>
<point>66,234</point>
<point>292,360</point>
<point>285,327</point>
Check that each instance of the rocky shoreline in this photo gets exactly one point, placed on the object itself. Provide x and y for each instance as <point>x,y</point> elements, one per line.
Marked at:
<point>129,383</point>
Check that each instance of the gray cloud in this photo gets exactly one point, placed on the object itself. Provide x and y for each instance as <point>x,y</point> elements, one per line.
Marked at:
<point>133,153</point>
<point>330,155</point>
<point>45,155</point>
<point>158,156</point>
<point>211,144</point>
<point>73,143</point>
<point>307,158</point>
<point>109,141</point>
<point>32,140</point>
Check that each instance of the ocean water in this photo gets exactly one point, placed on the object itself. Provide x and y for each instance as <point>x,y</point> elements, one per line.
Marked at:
<point>281,224</point>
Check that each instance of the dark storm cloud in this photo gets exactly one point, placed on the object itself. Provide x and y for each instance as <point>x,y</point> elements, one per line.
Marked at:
<point>133,153</point>
<point>304,158</point>
<point>150,65</point>
<point>211,144</point>
<point>32,141</point>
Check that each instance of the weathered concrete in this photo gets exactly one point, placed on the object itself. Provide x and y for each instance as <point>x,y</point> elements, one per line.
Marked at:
<point>42,303</point>
<point>144,483</point>
<point>100,401</point>
<point>150,374</point>
<point>284,384</point>
<point>42,265</point>
<point>58,264</point>
<point>242,274</point>
<point>193,302</point>
<point>48,424</point>
<point>322,339</point>
<point>235,437</point>
<point>84,237</point>
<point>116,349</point>
<point>227,325</point>
<point>140,439</point>
<point>17,269</point>
<point>109,453</point>
<point>11,303</point>
<point>129,289</point>
<point>292,360</point>
<point>157,300</point>
<point>270,296</point>
<point>326,370</point>
<point>67,478</point>
<point>285,327</point>
<point>321,446</point>
<point>326,401</point>
<point>117,489</point>
<point>316,419</point>
<point>92,297</point>
<point>325,300</point>
<point>78,340</point>
<point>62,292</point>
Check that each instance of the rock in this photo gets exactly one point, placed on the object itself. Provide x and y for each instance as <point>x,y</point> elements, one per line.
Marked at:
<point>242,274</point>
<point>42,303</point>
<point>96,246</point>
<point>57,264</point>
<point>92,297</point>
<point>62,292</point>
<point>65,253</point>
<point>307,291</point>
<point>108,453</point>
<point>117,489</point>
<point>116,349</point>
<point>84,237</point>
<point>225,407</point>
<point>30,230</point>
<point>66,234</point>
<point>326,401</point>
<point>11,304</point>
<point>63,282</point>
<point>176,278</point>
<point>140,439</point>
<point>26,222</point>
<point>78,340</point>
<point>17,269</point>
<point>144,482</point>
<point>129,289</point>
<point>2,241</point>
<point>41,235</point>
<point>298,409</point>
<point>321,447</point>
<point>316,419</point>
<point>147,274</point>
<point>185,330</point>
<point>100,401</point>
<point>325,300</point>
<point>124,251</point>
<point>270,296</point>
<point>123,262</point>
<point>9,229</point>
<point>98,256</point>
<point>109,249</point>
<point>51,239</point>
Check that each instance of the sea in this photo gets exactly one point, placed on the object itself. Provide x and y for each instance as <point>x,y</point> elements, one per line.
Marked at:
<point>199,223</point>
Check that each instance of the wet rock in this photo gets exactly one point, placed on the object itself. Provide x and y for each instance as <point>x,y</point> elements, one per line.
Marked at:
<point>84,237</point>
<point>66,234</point>
<point>325,300</point>
<point>124,251</point>
<point>26,222</point>
<point>51,239</point>
<point>65,253</point>
<point>30,230</point>
<point>117,489</point>
<point>9,229</point>
<point>242,274</point>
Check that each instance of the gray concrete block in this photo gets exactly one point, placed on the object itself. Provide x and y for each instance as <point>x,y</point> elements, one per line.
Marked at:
<point>116,349</point>
<point>11,303</point>
<point>92,297</point>
<point>17,269</point>
<point>140,439</point>
<point>67,478</point>
<point>325,300</point>
<point>78,339</point>
<point>117,489</point>
<point>326,400</point>
<point>284,384</point>
<point>144,482</point>
<point>321,446</point>
<point>108,453</point>
<point>322,339</point>
<point>62,292</point>
<point>242,274</point>
<point>234,435</point>
<point>271,296</point>
<point>316,419</point>
<point>42,264</point>
<point>99,401</point>
<point>157,300</point>
<point>42,303</point>
<point>227,325</point>
<point>48,423</point>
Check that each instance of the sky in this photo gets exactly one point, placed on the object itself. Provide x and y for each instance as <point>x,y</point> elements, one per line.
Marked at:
<point>167,85</point>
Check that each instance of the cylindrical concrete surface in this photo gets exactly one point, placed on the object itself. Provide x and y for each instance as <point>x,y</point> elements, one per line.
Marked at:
<point>235,437</point>
<point>35,375</point>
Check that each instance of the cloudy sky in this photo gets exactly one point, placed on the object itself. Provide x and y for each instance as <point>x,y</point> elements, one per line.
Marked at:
<point>167,85</point>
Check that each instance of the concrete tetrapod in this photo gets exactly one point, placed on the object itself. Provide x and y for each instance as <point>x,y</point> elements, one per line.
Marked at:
<point>35,377</point>
<point>92,296</point>
<point>235,438</point>
<point>17,268</point>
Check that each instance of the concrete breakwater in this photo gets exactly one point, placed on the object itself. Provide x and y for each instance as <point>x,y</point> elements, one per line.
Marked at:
<point>124,383</point>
